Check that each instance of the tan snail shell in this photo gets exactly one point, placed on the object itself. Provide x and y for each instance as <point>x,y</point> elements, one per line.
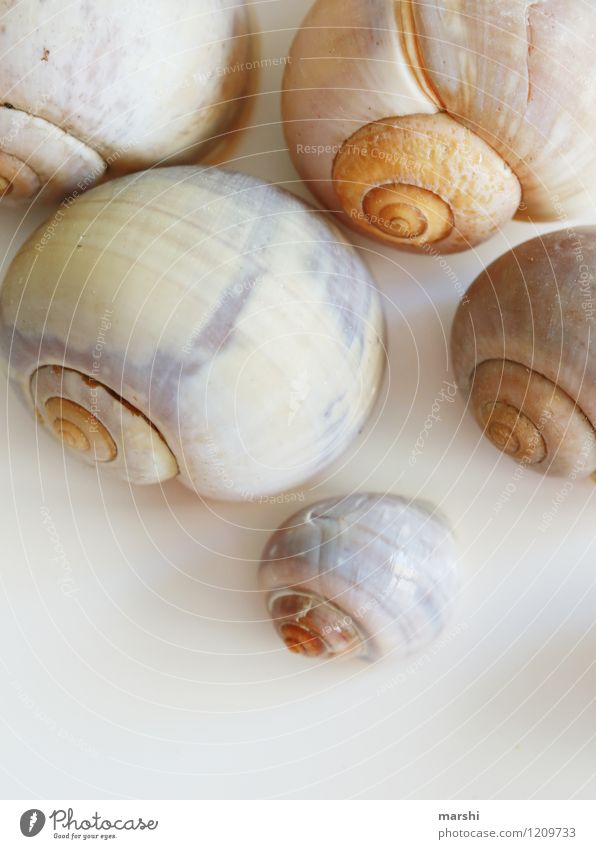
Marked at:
<point>198,323</point>
<point>523,349</point>
<point>430,124</point>
<point>367,574</point>
<point>89,89</point>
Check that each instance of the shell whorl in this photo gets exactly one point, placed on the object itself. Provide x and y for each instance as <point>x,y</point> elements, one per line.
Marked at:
<point>424,180</point>
<point>36,154</point>
<point>522,351</point>
<point>367,574</point>
<point>99,427</point>
<point>527,416</point>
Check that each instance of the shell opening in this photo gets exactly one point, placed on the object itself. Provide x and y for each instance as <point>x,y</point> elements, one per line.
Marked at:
<point>311,626</point>
<point>530,418</point>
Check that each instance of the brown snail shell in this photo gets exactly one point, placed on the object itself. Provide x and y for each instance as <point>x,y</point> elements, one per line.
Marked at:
<point>523,351</point>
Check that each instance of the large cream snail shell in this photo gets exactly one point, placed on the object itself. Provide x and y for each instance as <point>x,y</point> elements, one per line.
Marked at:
<point>368,574</point>
<point>111,87</point>
<point>194,322</point>
<point>427,124</point>
<point>523,350</point>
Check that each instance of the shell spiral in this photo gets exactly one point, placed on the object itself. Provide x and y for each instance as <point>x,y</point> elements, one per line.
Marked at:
<point>217,327</point>
<point>432,124</point>
<point>90,89</point>
<point>368,574</point>
<point>523,350</point>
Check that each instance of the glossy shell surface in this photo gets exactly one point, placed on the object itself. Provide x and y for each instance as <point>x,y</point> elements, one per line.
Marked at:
<point>524,336</point>
<point>228,313</point>
<point>384,564</point>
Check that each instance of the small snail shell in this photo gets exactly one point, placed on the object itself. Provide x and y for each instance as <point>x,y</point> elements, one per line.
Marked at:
<point>90,88</point>
<point>194,322</point>
<point>426,124</point>
<point>523,350</point>
<point>367,574</point>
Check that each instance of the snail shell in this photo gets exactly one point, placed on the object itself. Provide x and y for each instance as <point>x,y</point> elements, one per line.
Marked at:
<point>523,350</point>
<point>367,574</point>
<point>194,322</point>
<point>95,88</point>
<point>432,124</point>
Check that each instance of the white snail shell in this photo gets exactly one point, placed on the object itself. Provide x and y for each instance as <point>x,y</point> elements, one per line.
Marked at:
<point>95,88</point>
<point>427,124</point>
<point>523,350</point>
<point>199,323</point>
<point>367,574</point>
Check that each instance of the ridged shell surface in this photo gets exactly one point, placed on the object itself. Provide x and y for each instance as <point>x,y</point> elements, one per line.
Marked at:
<point>516,73</point>
<point>386,562</point>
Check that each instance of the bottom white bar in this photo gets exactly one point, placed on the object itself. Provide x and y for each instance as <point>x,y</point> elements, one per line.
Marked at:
<point>300,824</point>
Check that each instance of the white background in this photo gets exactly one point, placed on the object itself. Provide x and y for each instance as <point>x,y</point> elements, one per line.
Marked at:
<point>160,677</point>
